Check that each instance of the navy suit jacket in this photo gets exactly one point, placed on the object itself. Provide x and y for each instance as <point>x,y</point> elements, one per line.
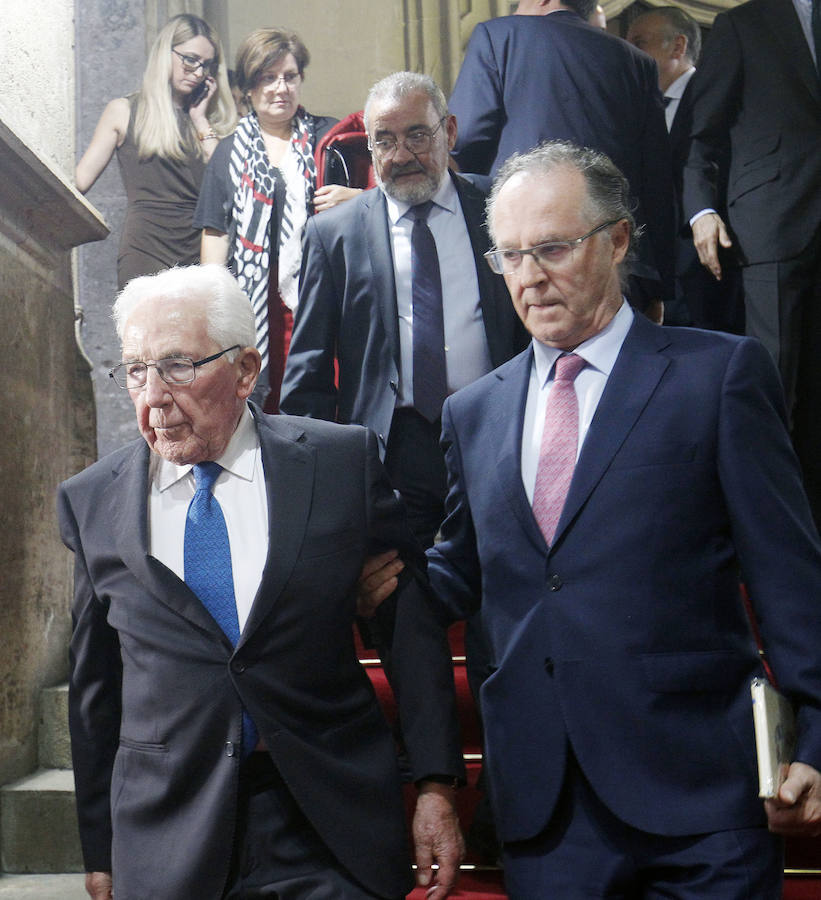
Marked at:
<point>156,688</point>
<point>347,310</point>
<point>627,639</point>
<point>526,79</point>
<point>757,90</point>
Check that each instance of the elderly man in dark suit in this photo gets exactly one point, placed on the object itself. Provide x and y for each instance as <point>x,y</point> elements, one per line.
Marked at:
<point>546,73</point>
<point>606,488</point>
<point>757,95</point>
<point>226,741</point>
<point>360,306</point>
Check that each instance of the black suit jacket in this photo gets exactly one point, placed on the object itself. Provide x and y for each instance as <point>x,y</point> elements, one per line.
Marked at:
<point>757,91</point>
<point>156,688</point>
<point>347,311</point>
<point>701,299</point>
<point>526,79</point>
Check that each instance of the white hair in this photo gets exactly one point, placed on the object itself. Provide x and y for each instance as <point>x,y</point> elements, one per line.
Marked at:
<point>228,313</point>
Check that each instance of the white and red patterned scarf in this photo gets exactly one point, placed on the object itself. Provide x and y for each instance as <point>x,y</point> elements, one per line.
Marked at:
<point>254,178</point>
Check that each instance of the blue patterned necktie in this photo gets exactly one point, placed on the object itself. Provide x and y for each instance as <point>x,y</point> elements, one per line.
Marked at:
<point>207,567</point>
<point>429,369</point>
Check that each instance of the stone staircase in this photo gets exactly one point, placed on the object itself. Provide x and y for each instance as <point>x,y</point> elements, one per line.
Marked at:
<point>39,843</point>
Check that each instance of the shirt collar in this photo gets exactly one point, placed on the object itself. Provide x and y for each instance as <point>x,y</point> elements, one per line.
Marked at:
<point>599,352</point>
<point>239,457</point>
<point>676,89</point>
<point>445,196</point>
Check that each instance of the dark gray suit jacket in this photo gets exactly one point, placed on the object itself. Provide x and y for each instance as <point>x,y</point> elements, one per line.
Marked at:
<point>347,311</point>
<point>156,689</point>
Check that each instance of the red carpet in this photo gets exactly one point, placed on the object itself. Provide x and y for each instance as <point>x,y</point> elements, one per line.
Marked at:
<point>478,882</point>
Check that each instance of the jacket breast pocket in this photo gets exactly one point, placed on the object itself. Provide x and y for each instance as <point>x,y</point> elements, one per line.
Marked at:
<point>662,453</point>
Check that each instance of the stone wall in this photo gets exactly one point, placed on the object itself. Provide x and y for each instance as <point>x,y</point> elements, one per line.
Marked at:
<point>47,409</point>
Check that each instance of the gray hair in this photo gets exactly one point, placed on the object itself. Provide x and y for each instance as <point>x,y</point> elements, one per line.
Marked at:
<point>608,192</point>
<point>398,85</point>
<point>680,22</point>
<point>228,313</point>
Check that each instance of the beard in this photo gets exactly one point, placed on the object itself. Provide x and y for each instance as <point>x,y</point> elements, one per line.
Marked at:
<point>412,192</point>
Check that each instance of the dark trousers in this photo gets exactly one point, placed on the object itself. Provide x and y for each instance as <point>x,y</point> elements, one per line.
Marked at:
<point>783,310</point>
<point>586,852</point>
<point>277,853</point>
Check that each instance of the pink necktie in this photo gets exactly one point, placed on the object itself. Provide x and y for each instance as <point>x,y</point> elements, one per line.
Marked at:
<point>560,441</point>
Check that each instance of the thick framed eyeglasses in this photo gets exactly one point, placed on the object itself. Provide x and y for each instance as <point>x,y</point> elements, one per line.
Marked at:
<point>416,142</point>
<point>174,370</point>
<point>192,63</point>
<point>548,254</point>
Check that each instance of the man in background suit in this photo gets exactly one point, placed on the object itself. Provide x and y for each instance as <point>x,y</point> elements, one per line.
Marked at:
<point>673,38</point>
<point>226,741</point>
<point>757,95</point>
<point>546,73</point>
<point>600,525</point>
<point>357,302</point>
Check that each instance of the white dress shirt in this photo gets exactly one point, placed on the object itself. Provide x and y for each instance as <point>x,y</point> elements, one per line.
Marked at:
<point>674,93</point>
<point>240,491</point>
<point>600,353</point>
<point>467,355</point>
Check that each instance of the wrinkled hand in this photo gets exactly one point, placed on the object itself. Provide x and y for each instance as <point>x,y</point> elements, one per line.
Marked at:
<point>332,195</point>
<point>797,808</point>
<point>379,579</point>
<point>708,232</point>
<point>98,885</point>
<point>437,839</point>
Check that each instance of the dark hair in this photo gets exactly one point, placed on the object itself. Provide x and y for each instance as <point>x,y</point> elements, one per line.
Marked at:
<point>264,48</point>
<point>583,7</point>
<point>608,192</point>
<point>681,22</point>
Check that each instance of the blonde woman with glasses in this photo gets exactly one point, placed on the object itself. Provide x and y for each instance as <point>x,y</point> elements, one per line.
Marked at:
<point>163,137</point>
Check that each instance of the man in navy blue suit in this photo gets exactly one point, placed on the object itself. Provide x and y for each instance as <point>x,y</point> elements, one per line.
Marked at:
<point>546,73</point>
<point>618,726</point>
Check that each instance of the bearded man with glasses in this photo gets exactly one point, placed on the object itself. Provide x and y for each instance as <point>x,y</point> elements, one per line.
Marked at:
<point>360,302</point>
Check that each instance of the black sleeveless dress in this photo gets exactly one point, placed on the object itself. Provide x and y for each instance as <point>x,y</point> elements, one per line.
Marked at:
<point>162,193</point>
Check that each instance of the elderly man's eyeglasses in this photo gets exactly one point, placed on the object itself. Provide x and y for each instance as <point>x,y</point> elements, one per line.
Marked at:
<point>192,63</point>
<point>416,142</point>
<point>547,255</point>
<point>174,370</point>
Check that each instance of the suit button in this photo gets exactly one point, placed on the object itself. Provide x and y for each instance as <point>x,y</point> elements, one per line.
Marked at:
<point>230,749</point>
<point>548,665</point>
<point>238,666</point>
<point>555,583</point>
<point>394,386</point>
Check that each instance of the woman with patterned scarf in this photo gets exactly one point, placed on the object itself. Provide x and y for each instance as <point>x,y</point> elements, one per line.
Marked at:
<point>259,189</point>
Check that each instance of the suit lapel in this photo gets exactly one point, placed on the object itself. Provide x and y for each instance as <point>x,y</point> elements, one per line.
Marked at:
<point>511,394</point>
<point>288,462</point>
<point>635,376</point>
<point>128,512</point>
<point>377,237</point>
<point>472,202</point>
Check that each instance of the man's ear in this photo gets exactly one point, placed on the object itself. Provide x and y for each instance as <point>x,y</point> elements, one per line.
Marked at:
<point>620,236</point>
<point>452,131</point>
<point>248,363</point>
